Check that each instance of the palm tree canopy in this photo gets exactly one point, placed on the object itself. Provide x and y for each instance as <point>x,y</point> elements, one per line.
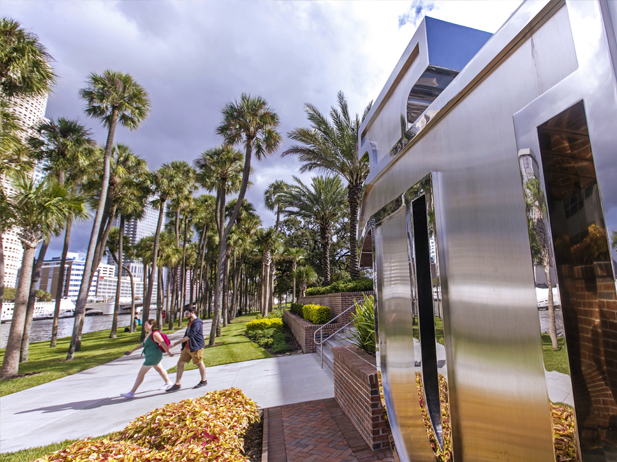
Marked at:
<point>252,123</point>
<point>166,181</point>
<point>24,62</point>
<point>14,155</point>
<point>322,203</point>
<point>115,94</point>
<point>41,210</point>
<point>273,195</point>
<point>220,166</point>
<point>62,144</point>
<point>331,145</point>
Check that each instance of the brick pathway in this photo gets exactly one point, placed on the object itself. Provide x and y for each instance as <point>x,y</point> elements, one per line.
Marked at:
<point>316,431</point>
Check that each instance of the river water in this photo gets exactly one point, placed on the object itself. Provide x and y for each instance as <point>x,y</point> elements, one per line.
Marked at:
<point>41,329</point>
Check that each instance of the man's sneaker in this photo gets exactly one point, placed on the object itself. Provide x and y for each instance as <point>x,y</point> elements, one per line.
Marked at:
<point>203,383</point>
<point>167,386</point>
<point>173,388</point>
<point>129,395</point>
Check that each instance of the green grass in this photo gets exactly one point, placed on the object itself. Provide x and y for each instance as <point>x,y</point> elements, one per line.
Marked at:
<point>232,346</point>
<point>49,363</point>
<point>438,330</point>
<point>555,360</point>
<point>27,455</point>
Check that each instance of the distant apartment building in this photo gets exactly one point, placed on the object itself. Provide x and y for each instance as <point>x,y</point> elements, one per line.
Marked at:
<point>74,270</point>
<point>30,112</point>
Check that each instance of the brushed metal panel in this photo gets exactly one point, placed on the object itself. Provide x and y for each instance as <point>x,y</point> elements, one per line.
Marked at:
<point>396,341</point>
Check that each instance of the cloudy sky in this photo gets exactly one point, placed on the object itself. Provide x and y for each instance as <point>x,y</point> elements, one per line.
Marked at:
<point>194,56</point>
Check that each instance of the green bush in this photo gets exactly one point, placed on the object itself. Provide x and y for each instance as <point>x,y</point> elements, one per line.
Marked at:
<point>279,343</point>
<point>262,324</point>
<point>346,285</point>
<point>317,314</point>
<point>364,322</point>
<point>296,308</point>
<point>270,338</point>
<point>275,314</point>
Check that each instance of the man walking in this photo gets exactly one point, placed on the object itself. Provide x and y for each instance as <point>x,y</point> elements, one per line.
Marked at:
<point>193,344</point>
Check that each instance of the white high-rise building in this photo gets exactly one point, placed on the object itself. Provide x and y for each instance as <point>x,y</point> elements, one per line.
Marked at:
<point>30,112</point>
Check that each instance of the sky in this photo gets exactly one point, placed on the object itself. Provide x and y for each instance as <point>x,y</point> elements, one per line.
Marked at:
<point>192,57</point>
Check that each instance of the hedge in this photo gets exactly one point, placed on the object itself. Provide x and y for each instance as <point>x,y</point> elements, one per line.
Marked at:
<point>317,314</point>
<point>296,308</point>
<point>346,285</point>
<point>264,323</point>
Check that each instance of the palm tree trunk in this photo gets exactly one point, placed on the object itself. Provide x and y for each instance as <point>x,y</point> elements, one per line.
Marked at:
<point>183,288</point>
<point>159,297</point>
<point>168,298</point>
<point>96,226</point>
<point>353,196</point>
<point>1,270</point>
<point>226,293</point>
<point>131,328</point>
<point>324,232</point>
<point>155,252</point>
<point>114,322</point>
<point>60,285</point>
<point>294,267</point>
<point>271,285</point>
<point>552,330</point>
<point>36,276</point>
<point>10,364</point>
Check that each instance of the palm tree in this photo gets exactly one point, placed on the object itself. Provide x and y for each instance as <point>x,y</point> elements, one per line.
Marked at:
<point>296,254</point>
<point>63,146</point>
<point>266,240</point>
<point>253,124</point>
<point>43,210</point>
<point>333,147</point>
<point>24,72</point>
<point>322,204</point>
<point>114,98</point>
<point>166,180</point>
<point>24,62</point>
<point>273,198</point>
<point>306,275</point>
<point>114,244</point>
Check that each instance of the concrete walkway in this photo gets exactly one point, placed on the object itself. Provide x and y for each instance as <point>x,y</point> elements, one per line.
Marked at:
<point>89,403</point>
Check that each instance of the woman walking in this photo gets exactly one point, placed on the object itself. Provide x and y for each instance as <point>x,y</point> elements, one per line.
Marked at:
<point>153,355</point>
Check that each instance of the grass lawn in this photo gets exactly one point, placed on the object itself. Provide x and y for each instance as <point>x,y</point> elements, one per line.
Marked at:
<point>231,346</point>
<point>27,455</point>
<point>438,330</point>
<point>555,360</point>
<point>49,363</point>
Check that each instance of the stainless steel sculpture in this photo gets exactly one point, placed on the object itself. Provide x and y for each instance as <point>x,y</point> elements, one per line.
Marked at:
<point>492,213</point>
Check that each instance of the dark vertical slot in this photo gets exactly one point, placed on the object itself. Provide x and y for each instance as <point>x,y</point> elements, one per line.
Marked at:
<point>586,281</point>
<point>425,313</point>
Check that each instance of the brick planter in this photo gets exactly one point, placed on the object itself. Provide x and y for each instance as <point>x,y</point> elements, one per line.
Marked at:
<point>337,302</point>
<point>304,330</point>
<point>356,389</point>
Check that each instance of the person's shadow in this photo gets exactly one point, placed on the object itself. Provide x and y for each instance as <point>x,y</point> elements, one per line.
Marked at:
<point>86,404</point>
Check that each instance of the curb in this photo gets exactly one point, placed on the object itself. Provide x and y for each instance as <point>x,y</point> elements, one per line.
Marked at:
<point>264,442</point>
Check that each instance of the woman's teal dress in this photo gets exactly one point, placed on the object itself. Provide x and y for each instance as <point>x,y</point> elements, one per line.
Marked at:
<point>152,352</point>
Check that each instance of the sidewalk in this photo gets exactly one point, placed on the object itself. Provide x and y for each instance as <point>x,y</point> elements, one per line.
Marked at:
<point>89,403</point>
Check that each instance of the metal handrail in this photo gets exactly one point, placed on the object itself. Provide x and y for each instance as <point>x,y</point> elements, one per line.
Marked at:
<point>332,334</point>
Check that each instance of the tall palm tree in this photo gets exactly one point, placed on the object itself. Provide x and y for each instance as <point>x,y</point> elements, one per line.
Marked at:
<point>273,198</point>
<point>24,72</point>
<point>266,240</point>
<point>64,147</point>
<point>219,170</point>
<point>43,210</point>
<point>322,203</point>
<point>119,247</point>
<point>296,254</point>
<point>114,98</point>
<point>166,180</point>
<point>253,124</point>
<point>306,275</point>
<point>332,146</point>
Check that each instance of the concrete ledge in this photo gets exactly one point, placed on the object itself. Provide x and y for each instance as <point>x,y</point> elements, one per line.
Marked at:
<point>356,389</point>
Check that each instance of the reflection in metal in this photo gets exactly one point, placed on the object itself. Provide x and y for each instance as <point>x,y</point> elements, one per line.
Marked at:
<point>553,343</point>
<point>544,85</point>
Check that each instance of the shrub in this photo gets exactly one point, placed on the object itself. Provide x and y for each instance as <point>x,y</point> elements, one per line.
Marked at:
<point>346,285</point>
<point>265,323</point>
<point>364,322</point>
<point>317,314</point>
<point>275,314</point>
<point>279,343</point>
<point>207,428</point>
<point>296,308</point>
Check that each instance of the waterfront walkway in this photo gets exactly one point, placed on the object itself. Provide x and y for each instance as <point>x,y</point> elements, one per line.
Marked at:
<point>89,403</point>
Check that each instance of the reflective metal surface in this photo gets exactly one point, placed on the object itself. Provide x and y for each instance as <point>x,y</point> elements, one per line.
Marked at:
<point>511,98</point>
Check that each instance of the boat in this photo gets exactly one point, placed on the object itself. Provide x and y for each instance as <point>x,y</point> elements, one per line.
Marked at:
<point>42,310</point>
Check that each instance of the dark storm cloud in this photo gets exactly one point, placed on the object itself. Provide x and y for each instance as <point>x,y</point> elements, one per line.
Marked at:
<point>192,58</point>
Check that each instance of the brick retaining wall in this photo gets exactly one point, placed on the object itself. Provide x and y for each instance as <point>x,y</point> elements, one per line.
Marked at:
<point>337,302</point>
<point>304,330</point>
<point>356,389</point>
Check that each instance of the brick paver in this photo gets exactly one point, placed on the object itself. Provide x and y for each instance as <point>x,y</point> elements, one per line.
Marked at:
<point>316,431</point>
